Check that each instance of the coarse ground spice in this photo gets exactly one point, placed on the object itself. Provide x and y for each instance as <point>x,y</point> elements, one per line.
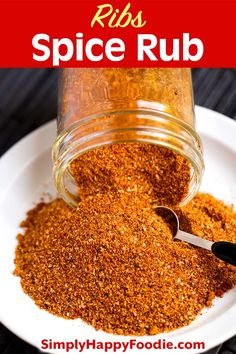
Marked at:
<point>156,171</point>
<point>113,262</point>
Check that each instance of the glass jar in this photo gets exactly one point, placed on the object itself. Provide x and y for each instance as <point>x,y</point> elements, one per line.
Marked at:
<point>113,105</point>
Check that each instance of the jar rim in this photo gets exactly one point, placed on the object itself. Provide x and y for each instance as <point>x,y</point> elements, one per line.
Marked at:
<point>158,127</point>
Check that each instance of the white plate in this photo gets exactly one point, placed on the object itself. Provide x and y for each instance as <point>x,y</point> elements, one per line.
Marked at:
<point>25,172</point>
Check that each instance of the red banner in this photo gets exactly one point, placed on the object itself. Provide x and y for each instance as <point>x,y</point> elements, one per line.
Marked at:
<point>118,33</point>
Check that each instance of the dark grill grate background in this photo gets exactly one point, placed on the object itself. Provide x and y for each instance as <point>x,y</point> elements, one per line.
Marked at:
<point>28,99</point>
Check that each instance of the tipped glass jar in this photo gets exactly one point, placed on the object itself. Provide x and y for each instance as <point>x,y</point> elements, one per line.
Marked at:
<point>106,106</point>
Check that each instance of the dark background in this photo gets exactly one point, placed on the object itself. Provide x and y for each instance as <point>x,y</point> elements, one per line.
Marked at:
<point>28,99</point>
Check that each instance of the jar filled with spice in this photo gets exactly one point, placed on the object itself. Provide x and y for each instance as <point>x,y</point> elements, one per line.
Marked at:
<point>127,129</point>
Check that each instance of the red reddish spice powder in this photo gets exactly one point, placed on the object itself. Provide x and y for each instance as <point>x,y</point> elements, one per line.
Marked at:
<point>113,262</point>
<point>155,171</point>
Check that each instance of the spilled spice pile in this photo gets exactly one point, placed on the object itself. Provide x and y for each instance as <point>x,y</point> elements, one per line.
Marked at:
<point>147,169</point>
<point>113,262</point>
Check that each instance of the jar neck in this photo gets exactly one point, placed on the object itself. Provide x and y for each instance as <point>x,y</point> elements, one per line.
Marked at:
<point>139,125</point>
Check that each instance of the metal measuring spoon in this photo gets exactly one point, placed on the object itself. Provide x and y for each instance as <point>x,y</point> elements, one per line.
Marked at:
<point>226,251</point>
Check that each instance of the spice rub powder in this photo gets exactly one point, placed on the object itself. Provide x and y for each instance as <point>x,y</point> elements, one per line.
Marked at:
<point>113,262</point>
<point>158,172</point>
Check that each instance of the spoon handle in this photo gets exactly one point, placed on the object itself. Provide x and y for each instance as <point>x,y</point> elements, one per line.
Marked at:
<point>226,251</point>
<point>194,240</point>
